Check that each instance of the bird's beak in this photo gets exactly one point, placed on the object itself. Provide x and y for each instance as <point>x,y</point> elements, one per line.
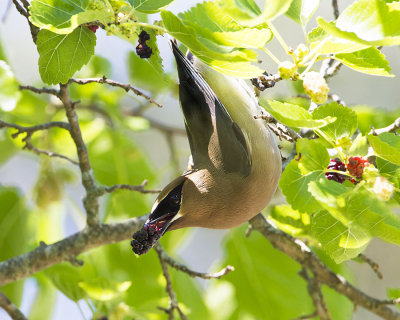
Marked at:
<point>163,214</point>
<point>153,229</point>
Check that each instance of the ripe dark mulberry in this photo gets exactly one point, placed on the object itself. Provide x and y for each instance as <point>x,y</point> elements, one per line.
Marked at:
<point>142,49</point>
<point>356,165</point>
<point>336,164</point>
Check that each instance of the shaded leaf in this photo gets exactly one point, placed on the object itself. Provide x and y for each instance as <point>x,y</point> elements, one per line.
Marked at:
<point>289,220</point>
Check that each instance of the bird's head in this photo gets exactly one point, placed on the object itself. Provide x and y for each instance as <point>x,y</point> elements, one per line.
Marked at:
<point>165,209</point>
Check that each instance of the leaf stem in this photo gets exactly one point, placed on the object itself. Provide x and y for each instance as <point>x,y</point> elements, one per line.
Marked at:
<point>271,55</point>
<point>278,37</point>
<point>151,26</point>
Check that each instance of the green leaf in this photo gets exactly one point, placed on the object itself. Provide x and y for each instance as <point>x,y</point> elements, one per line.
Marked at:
<point>359,147</point>
<point>357,208</point>
<point>153,81</point>
<point>340,242</point>
<point>123,165</point>
<point>324,43</point>
<point>63,16</point>
<point>373,117</point>
<point>212,23</point>
<point>234,62</point>
<point>393,293</point>
<point>269,275</point>
<point>13,223</point>
<point>240,10</point>
<point>60,56</point>
<point>301,11</point>
<point>344,126</point>
<point>295,116</point>
<point>367,22</point>
<point>9,91</point>
<point>275,8</point>
<point>187,35</point>
<point>66,278</point>
<point>46,295</point>
<point>289,220</point>
<point>149,6</point>
<point>370,61</point>
<point>103,289</point>
<point>371,21</point>
<point>386,146</point>
<point>309,166</point>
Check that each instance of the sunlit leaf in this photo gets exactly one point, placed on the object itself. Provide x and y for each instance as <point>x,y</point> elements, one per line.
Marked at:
<point>62,55</point>
<point>63,16</point>
<point>387,146</point>
<point>370,61</point>
<point>295,116</point>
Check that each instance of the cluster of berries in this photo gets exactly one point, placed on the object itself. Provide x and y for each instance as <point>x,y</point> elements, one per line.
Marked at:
<point>359,168</point>
<point>355,167</point>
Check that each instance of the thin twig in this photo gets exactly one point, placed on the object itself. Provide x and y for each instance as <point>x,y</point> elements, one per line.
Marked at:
<point>31,147</point>
<point>279,129</point>
<point>31,130</point>
<point>126,86</point>
<point>90,201</point>
<point>173,302</point>
<point>299,252</point>
<point>10,308</point>
<point>374,266</point>
<point>44,90</point>
<point>335,9</point>
<point>390,128</point>
<point>25,12</point>
<point>266,81</point>
<point>140,188</point>
<point>181,267</point>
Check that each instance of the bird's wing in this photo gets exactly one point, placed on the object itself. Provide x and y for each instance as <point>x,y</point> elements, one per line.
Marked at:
<point>204,114</point>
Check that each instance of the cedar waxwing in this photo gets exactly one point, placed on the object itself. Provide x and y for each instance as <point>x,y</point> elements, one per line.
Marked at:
<point>237,163</point>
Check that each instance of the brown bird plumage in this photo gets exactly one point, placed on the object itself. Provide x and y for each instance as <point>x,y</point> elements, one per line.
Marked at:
<point>237,163</point>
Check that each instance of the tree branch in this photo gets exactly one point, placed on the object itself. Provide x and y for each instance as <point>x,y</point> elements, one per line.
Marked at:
<point>140,188</point>
<point>90,201</point>
<point>298,251</point>
<point>127,87</point>
<point>181,267</point>
<point>374,266</point>
<point>390,128</point>
<point>24,12</point>
<point>173,301</point>
<point>43,90</point>
<point>10,308</point>
<point>66,249</point>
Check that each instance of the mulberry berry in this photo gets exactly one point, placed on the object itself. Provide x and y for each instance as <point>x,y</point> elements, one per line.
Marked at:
<point>356,165</point>
<point>142,49</point>
<point>336,164</point>
<point>93,27</point>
